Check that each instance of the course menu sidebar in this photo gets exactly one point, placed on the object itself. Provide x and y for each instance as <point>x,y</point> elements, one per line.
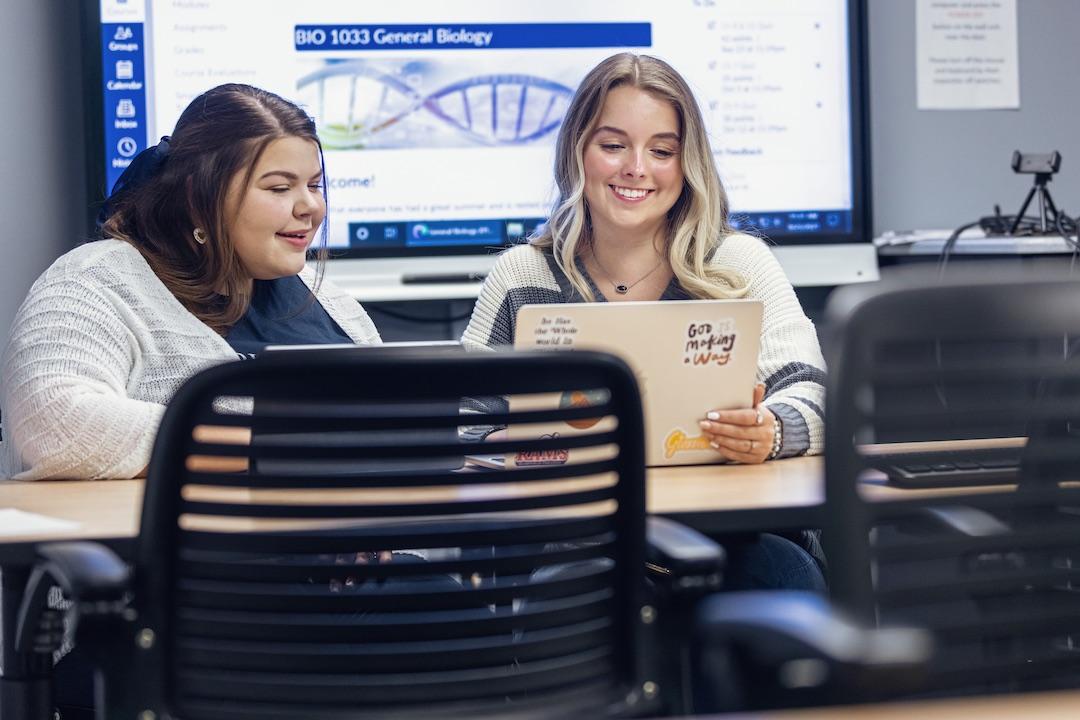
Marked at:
<point>124,94</point>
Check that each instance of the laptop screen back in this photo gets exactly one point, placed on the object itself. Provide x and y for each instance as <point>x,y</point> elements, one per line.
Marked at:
<point>264,408</point>
<point>689,357</point>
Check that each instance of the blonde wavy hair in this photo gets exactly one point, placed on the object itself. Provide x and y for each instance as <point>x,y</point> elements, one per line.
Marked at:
<point>697,222</point>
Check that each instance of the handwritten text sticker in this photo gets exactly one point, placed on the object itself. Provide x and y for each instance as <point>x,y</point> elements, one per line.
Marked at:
<point>555,331</point>
<point>709,344</point>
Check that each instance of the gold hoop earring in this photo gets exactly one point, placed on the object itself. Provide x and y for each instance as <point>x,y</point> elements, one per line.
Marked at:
<point>200,235</point>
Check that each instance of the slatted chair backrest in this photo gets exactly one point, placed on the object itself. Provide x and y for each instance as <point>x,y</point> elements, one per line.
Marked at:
<point>334,564</point>
<point>993,572</point>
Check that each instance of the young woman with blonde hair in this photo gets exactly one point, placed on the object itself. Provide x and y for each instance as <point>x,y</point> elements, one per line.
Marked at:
<point>641,214</point>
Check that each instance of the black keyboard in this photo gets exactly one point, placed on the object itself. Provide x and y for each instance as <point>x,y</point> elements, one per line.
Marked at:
<point>952,468</point>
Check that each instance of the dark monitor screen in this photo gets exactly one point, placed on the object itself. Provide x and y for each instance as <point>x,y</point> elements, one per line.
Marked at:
<point>438,117</point>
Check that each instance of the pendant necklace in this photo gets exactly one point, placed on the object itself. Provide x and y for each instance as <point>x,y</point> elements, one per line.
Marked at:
<point>623,288</point>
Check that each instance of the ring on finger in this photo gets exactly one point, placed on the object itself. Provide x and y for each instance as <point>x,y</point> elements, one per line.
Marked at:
<point>751,446</point>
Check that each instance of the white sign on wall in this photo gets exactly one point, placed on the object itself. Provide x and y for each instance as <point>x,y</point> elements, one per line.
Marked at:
<point>967,54</point>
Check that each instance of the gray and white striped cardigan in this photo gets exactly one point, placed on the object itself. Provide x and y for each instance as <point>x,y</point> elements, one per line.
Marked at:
<point>790,363</point>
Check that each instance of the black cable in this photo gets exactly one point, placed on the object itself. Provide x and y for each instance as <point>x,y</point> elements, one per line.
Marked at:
<point>994,225</point>
<point>947,248</point>
<point>943,261</point>
<point>1075,244</point>
<point>998,224</point>
<point>1028,226</point>
<point>1063,231</point>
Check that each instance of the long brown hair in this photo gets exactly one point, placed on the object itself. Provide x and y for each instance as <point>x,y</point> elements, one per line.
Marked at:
<point>220,135</point>
<point>696,224</point>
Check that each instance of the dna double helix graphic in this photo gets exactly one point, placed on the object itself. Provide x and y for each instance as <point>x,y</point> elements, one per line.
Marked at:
<point>358,102</point>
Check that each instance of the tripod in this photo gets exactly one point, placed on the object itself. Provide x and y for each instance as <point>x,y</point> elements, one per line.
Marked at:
<point>1048,212</point>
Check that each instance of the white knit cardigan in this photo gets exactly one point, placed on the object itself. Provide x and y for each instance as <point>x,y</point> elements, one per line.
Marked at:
<point>96,350</point>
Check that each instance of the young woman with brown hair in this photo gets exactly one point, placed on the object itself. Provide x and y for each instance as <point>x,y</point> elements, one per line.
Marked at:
<point>201,260</point>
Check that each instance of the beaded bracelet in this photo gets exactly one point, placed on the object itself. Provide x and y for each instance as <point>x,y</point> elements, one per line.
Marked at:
<point>777,438</point>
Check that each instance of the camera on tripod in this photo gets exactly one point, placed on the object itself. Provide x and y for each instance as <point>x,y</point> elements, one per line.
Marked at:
<point>1043,166</point>
<point>1050,221</point>
<point>1036,163</point>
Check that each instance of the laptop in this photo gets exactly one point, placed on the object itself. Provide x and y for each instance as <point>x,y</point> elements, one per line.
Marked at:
<point>689,356</point>
<point>402,464</point>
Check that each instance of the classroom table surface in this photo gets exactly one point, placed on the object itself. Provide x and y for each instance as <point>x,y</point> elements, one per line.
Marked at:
<point>1024,706</point>
<point>109,509</point>
<point>777,495</point>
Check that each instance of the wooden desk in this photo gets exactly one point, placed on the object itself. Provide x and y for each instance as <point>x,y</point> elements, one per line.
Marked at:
<point>782,494</point>
<point>1031,706</point>
<point>105,510</point>
<point>712,498</point>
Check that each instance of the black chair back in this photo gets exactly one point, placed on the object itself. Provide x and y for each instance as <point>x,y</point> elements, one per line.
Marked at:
<point>300,574</point>
<point>993,572</point>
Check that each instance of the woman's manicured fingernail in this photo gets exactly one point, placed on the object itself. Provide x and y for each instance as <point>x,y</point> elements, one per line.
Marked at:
<point>713,415</point>
<point>714,445</point>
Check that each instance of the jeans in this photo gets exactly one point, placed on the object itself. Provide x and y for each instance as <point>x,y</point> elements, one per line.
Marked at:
<point>770,562</point>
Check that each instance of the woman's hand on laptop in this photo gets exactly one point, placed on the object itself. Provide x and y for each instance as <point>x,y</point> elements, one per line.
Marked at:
<point>744,435</point>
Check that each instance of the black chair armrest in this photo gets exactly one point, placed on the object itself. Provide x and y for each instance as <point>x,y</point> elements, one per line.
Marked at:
<point>787,648</point>
<point>779,626</point>
<point>86,571</point>
<point>681,558</point>
<point>965,520</point>
<point>89,574</point>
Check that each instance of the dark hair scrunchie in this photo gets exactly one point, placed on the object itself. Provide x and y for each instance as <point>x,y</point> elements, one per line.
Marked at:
<point>143,166</point>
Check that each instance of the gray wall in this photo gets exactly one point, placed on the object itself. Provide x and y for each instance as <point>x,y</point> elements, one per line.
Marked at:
<point>942,168</point>
<point>41,143</point>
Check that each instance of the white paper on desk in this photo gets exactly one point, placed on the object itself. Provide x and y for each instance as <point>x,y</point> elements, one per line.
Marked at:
<point>19,522</point>
<point>966,55</point>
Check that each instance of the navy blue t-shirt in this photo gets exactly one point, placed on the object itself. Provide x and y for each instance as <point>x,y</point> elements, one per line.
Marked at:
<point>283,312</point>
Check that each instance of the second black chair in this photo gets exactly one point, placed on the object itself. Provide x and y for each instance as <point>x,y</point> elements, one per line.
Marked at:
<point>992,571</point>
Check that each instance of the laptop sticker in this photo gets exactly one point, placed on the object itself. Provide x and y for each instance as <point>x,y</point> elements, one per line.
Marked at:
<point>678,441</point>
<point>582,398</point>
<point>542,457</point>
<point>555,331</point>
<point>709,344</point>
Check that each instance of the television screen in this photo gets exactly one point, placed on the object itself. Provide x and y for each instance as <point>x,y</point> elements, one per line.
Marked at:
<point>438,117</point>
